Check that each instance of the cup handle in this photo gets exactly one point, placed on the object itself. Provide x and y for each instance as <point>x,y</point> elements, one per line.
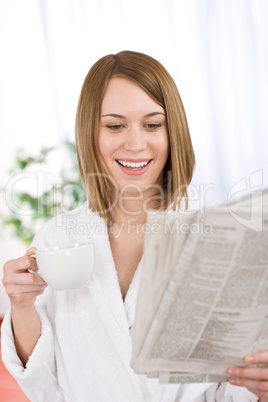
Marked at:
<point>34,272</point>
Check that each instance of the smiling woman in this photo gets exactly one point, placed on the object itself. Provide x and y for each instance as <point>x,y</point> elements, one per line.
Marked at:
<point>134,144</point>
<point>133,96</point>
<point>134,153</point>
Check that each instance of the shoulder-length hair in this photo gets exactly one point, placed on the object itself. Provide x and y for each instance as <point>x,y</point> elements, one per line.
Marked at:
<point>154,79</point>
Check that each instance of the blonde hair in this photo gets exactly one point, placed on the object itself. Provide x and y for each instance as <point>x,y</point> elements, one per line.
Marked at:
<point>154,79</point>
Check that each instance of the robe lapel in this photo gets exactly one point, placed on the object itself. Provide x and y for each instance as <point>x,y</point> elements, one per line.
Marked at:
<point>106,280</point>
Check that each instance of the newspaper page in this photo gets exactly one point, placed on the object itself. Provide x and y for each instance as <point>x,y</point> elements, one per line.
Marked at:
<point>210,294</point>
<point>164,251</point>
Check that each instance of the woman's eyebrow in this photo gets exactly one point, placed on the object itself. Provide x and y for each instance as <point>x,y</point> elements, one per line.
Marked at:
<point>114,115</point>
<point>154,114</point>
<point>124,117</point>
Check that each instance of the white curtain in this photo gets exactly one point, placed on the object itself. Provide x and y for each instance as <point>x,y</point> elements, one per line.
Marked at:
<point>216,51</point>
<point>233,38</point>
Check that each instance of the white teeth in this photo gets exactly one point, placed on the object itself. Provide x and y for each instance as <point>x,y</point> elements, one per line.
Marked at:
<point>133,164</point>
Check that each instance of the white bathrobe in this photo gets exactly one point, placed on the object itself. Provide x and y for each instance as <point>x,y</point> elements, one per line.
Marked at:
<point>84,350</point>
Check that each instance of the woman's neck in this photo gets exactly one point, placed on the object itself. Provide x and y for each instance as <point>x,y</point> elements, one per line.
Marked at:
<point>127,221</point>
<point>129,215</point>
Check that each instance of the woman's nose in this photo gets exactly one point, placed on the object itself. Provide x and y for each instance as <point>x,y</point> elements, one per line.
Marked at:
<point>135,140</point>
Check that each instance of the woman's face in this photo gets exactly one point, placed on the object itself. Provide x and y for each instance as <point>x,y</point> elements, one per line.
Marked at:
<point>133,137</point>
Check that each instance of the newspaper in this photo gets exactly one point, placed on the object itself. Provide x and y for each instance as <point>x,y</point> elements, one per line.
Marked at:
<point>205,287</point>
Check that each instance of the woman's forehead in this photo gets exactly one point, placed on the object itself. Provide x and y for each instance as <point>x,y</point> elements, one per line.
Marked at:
<point>123,96</point>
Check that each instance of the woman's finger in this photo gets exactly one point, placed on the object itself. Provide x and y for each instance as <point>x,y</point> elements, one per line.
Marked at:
<point>256,358</point>
<point>31,251</point>
<point>22,289</point>
<point>32,260</point>
<point>23,279</point>
<point>258,373</point>
<point>22,264</point>
<point>20,299</point>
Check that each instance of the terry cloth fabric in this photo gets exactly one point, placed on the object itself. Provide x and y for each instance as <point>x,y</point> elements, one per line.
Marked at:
<point>84,350</point>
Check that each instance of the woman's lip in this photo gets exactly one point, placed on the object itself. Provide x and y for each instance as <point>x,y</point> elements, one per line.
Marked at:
<point>134,160</point>
<point>133,172</point>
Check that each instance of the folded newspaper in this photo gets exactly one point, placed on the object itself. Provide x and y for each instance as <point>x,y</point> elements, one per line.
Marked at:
<point>203,297</point>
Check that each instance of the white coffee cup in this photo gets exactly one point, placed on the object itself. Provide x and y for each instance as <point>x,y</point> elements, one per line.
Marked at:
<point>66,268</point>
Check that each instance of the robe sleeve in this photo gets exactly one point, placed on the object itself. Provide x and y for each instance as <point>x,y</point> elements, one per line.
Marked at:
<point>38,379</point>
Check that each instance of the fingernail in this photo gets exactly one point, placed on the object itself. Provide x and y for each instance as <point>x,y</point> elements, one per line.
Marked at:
<point>249,359</point>
<point>233,381</point>
<point>231,371</point>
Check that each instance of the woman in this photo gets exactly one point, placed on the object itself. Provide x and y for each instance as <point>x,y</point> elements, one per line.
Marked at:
<point>131,133</point>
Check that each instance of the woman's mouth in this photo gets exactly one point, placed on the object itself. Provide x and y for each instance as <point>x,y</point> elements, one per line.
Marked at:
<point>134,168</point>
<point>133,165</point>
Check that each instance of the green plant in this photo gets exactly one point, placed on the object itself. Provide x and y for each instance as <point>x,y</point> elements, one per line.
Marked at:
<point>45,203</point>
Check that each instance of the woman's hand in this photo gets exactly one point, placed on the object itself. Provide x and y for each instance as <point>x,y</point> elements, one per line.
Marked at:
<point>255,379</point>
<point>22,286</point>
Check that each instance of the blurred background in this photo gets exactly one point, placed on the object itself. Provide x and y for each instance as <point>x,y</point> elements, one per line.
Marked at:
<point>216,51</point>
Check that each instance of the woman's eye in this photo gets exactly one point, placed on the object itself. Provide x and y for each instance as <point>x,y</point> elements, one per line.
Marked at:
<point>115,127</point>
<point>153,127</point>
